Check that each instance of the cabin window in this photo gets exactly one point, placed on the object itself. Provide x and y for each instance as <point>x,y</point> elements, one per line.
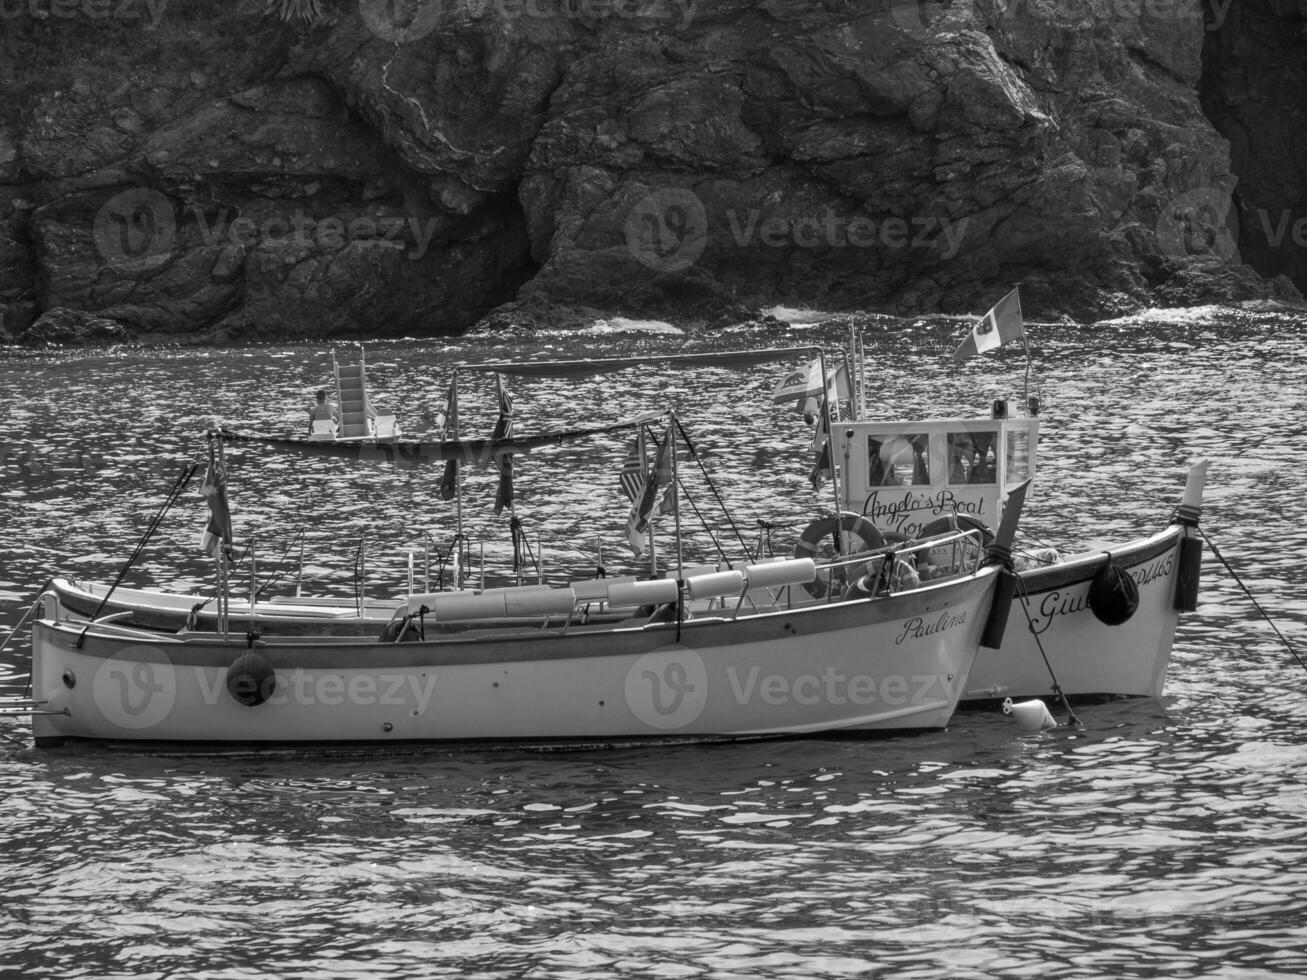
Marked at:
<point>1018,455</point>
<point>898,460</point>
<point>971,457</point>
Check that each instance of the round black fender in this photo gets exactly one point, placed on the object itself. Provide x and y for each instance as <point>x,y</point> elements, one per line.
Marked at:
<point>819,543</point>
<point>251,679</point>
<point>1113,594</point>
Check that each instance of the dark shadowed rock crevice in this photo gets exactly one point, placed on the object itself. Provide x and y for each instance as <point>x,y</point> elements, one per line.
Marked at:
<point>215,173</point>
<point>1254,90</point>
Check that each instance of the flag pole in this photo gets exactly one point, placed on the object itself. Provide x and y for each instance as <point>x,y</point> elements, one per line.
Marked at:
<point>459,571</point>
<point>676,497</point>
<point>1025,342</point>
<point>224,600</point>
<point>644,465</point>
<point>830,436</point>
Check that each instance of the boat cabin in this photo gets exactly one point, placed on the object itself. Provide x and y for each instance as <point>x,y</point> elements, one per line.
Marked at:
<point>906,476</point>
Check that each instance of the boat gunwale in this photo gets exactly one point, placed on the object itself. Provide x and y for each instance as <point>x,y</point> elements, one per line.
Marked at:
<point>105,641</point>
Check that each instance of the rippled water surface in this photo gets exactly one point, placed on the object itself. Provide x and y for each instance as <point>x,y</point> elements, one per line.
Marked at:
<point>1160,838</point>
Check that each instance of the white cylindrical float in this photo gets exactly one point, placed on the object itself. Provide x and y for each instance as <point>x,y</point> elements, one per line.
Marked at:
<point>791,571</point>
<point>1032,716</point>
<point>652,592</point>
<point>715,584</point>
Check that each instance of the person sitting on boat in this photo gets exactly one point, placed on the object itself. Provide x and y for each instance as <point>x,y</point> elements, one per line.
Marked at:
<point>324,411</point>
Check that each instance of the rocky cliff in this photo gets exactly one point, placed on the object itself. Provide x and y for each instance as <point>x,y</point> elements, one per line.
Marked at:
<point>206,169</point>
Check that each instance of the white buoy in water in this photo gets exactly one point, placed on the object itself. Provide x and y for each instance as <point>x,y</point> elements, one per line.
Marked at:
<point>1032,716</point>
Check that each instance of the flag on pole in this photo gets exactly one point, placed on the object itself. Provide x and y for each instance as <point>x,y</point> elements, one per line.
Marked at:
<point>660,475</point>
<point>449,482</point>
<point>503,430</point>
<point>821,467</point>
<point>632,478</point>
<point>217,533</point>
<point>995,328</point>
<point>804,384</point>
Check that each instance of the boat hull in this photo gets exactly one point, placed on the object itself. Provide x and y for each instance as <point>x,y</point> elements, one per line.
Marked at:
<point>1051,618</point>
<point>883,664</point>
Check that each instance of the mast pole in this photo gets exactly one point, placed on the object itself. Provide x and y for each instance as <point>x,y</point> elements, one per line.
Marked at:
<point>676,496</point>
<point>830,448</point>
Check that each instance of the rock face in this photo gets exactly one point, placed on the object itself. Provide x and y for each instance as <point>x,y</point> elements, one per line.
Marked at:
<point>1255,91</point>
<point>415,166</point>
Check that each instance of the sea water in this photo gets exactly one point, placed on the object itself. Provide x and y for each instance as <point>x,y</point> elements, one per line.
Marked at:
<point>1157,838</point>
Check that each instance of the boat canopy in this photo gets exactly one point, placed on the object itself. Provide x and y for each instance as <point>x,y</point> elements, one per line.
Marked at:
<point>403,453</point>
<point>606,365</point>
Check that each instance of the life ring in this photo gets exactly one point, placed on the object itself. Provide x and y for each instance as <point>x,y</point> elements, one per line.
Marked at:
<point>819,543</point>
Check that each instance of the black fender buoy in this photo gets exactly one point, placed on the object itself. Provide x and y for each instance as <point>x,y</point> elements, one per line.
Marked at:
<point>251,679</point>
<point>819,541</point>
<point>1186,579</point>
<point>1113,594</point>
<point>996,622</point>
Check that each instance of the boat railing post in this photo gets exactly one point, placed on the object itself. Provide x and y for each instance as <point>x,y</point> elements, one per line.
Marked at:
<point>672,431</point>
<point>222,591</point>
<point>358,576</point>
<point>254,580</point>
<point>410,574</point>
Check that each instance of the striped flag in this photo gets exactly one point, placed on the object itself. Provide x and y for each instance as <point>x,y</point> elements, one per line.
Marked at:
<point>995,328</point>
<point>637,524</point>
<point>821,467</point>
<point>449,482</point>
<point>504,430</point>
<point>631,477</point>
<point>217,534</point>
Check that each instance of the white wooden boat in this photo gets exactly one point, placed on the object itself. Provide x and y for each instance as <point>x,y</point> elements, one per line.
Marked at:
<point>768,660</point>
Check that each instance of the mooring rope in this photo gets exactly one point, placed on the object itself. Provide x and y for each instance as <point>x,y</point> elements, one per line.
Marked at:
<point>1251,598</point>
<point>173,494</point>
<point>1030,622</point>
